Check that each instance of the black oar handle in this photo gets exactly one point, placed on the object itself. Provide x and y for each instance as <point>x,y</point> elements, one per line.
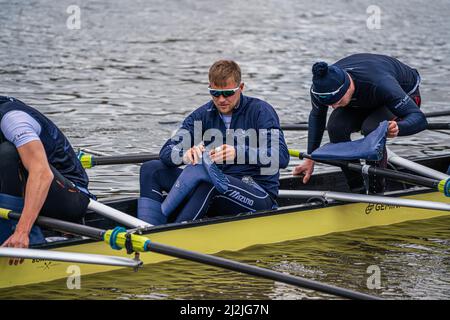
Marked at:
<point>125,159</point>
<point>256,271</point>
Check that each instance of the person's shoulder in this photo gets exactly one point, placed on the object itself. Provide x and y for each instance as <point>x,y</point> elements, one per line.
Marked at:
<point>385,83</point>
<point>258,104</point>
<point>16,116</point>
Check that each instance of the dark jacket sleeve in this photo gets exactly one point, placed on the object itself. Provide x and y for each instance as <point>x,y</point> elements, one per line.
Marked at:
<point>316,124</point>
<point>401,105</point>
<point>171,153</point>
<point>268,120</point>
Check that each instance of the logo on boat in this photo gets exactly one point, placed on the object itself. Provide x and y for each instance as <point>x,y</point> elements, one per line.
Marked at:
<point>44,264</point>
<point>379,207</point>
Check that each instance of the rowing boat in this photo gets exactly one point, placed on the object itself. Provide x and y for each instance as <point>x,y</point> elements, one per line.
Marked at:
<point>295,219</point>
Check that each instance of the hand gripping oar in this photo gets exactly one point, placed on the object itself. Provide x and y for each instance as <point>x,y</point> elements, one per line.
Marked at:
<point>442,185</point>
<point>119,238</point>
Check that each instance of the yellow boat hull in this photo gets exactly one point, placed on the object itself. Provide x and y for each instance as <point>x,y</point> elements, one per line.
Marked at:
<point>231,235</point>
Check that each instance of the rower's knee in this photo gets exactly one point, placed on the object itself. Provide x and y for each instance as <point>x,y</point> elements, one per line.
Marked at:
<point>368,127</point>
<point>149,168</point>
<point>339,132</point>
<point>8,155</point>
<point>193,169</point>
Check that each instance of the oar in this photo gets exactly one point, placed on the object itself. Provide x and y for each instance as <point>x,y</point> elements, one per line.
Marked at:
<point>89,161</point>
<point>413,166</point>
<point>16,203</point>
<point>437,114</point>
<point>354,197</point>
<point>119,238</point>
<point>304,126</point>
<point>22,253</point>
<point>116,215</point>
<point>442,185</point>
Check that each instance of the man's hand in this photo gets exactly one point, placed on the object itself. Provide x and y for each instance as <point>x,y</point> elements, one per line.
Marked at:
<point>224,153</point>
<point>193,155</point>
<point>305,168</point>
<point>19,239</point>
<point>392,129</point>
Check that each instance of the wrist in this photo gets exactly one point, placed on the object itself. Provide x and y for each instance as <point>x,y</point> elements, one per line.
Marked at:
<point>22,231</point>
<point>23,228</point>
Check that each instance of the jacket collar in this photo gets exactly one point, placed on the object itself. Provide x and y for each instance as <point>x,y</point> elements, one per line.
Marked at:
<point>243,101</point>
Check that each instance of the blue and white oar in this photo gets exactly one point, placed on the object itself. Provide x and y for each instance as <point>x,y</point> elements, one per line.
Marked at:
<point>87,258</point>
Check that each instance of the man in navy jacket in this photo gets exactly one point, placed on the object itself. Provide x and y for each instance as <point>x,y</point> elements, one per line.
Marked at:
<point>241,134</point>
<point>363,89</point>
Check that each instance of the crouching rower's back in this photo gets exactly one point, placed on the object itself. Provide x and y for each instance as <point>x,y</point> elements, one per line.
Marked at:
<point>39,172</point>
<point>233,147</point>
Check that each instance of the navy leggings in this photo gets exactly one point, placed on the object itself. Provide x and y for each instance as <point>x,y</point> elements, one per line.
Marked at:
<point>344,121</point>
<point>156,177</point>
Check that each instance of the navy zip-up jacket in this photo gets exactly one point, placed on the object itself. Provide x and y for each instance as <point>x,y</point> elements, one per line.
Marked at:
<point>379,81</point>
<point>60,153</point>
<point>251,113</point>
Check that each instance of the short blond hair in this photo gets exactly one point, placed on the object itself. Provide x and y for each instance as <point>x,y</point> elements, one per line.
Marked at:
<point>222,70</point>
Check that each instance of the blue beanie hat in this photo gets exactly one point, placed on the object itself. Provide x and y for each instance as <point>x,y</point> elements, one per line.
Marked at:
<point>330,83</point>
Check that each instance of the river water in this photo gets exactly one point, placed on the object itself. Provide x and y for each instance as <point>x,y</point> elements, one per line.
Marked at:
<point>133,70</point>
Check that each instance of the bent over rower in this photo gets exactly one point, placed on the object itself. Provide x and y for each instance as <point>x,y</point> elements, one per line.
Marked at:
<point>39,173</point>
<point>364,90</point>
<point>225,173</point>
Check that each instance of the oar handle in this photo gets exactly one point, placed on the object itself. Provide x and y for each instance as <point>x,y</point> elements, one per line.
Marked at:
<point>89,161</point>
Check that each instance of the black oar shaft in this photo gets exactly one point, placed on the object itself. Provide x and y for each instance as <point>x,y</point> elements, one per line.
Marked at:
<point>386,173</point>
<point>437,114</point>
<point>256,271</point>
<point>438,126</point>
<point>126,159</point>
<point>64,226</point>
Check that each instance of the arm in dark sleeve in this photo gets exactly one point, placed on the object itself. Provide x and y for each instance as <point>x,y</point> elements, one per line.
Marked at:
<point>316,124</point>
<point>269,122</point>
<point>172,152</point>
<point>401,105</point>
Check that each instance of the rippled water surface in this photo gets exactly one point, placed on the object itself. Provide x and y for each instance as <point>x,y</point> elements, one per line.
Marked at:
<point>122,83</point>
